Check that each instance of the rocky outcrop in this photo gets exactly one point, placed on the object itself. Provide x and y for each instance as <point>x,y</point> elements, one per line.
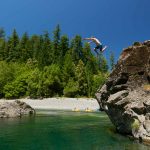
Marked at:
<point>15,109</point>
<point>125,97</point>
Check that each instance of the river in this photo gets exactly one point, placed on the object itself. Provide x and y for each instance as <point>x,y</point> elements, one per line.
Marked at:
<point>60,130</point>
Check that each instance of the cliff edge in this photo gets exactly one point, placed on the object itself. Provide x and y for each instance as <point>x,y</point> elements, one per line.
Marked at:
<point>125,97</point>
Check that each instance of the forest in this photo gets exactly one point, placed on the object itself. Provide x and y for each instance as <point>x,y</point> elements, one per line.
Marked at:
<point>41,66</point>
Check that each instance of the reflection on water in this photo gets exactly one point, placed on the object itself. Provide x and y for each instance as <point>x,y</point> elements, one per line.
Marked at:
<point>59,130</point>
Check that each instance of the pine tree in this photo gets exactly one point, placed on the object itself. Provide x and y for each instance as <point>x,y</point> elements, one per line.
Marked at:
<point>46,49</point>
<point>36,46</point>
<point>2,49</point>
<point>2,33</point>
<point>68,68</point>
<point>112,60</point>
<point>24,48</point>
<point>89,78</point>
<point>40,54</point>
<point>76,48</point>
<point>89,59</point>
<point>63,48</point>
<point>81,78</point>
<point>56,42</point>
<point>86,51</point>
<point>103,66</point>
<point>13,47</point>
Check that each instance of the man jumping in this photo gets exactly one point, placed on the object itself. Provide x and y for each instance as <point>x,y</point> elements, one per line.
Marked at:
<point>98,44</point>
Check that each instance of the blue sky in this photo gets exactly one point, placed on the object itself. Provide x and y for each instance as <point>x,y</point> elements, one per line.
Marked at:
<point>117,23</point>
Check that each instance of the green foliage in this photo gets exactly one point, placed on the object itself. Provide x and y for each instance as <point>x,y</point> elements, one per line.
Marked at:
<point>46,83</point>
<point>24,48</point>
<point>7,74</point>
<point>17,88</point>
<point>71,89</point>
<point>14,81</point>
<point>2,49</point>
<point>51,81</point>
<point>81,78</point>
<point>136,44</point>
<point>33,81</point>
<point>63,48</point>
<point>89,78</point>
<point>2,33</point>
<point>112,60</point>
<point>98,80</point>
<point>135,125</point>
<point>13,49</point>
<point>76,47</point>
<point>55,46</point>
<point>68,68</point>
<point>103,66</point>
<point>37,66</point>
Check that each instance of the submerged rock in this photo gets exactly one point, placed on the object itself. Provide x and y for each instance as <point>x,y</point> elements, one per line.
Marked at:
<point>15,109</point>
<point>125,97</point>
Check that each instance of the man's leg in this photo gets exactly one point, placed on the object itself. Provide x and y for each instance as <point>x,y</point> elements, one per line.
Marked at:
<point>104,48</point>
<point>95,49</point>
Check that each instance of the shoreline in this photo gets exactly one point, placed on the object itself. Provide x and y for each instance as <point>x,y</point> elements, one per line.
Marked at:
<point>71,104</point>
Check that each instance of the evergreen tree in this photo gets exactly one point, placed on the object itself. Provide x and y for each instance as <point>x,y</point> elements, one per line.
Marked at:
<point>24,48</point>
<point>2,49</point>
<point>81,78</point>
<point>76,48</point>
<point>63,48</point>
<point>6,50</point>
<point>103,66</point>
<point>52,67</point>
<point>98,80</point>
<point>89,59</point>
<point>86,51</point>
<point>13,47</point>
<point>56,42</point>
<point>41,53</point>
<point>35,46</point>
<point>68,68</point>
<point>46,50</point>
<point>89,78</point>
<point>2,43</point>
<point>2,33</point>
<point>112,60</point>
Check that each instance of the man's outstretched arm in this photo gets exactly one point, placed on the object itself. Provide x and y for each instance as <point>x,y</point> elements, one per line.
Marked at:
<point>87,38</point>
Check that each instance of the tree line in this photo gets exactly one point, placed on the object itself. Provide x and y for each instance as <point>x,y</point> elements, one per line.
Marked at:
<point>39,66</point>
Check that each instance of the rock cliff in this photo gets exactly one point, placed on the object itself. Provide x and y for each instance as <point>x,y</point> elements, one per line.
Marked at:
<point>15,109</point>
<point>125,97</point>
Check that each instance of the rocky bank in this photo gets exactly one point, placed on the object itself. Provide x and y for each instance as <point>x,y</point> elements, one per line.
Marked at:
<point>15,109</point>
<point>125,97</point>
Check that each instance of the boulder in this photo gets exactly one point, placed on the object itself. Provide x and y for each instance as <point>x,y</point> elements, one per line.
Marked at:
<point>15,109</point>
<point>125,97</point>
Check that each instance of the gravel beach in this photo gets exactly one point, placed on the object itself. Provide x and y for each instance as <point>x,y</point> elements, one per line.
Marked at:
<point>62,103</point>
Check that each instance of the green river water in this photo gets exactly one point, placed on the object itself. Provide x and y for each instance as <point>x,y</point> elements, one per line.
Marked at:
<point>58,130</point>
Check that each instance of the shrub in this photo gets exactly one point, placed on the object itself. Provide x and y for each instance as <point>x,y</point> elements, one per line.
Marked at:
<point>51,81</point>
<point>16,89</point>
<point>98,81</point>
<point>71,89</point>
<point>33,82</point>
<point>7,74</point>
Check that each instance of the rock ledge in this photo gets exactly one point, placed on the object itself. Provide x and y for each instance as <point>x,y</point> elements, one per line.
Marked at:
<point>125,97</point>
<point>15,109</point>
